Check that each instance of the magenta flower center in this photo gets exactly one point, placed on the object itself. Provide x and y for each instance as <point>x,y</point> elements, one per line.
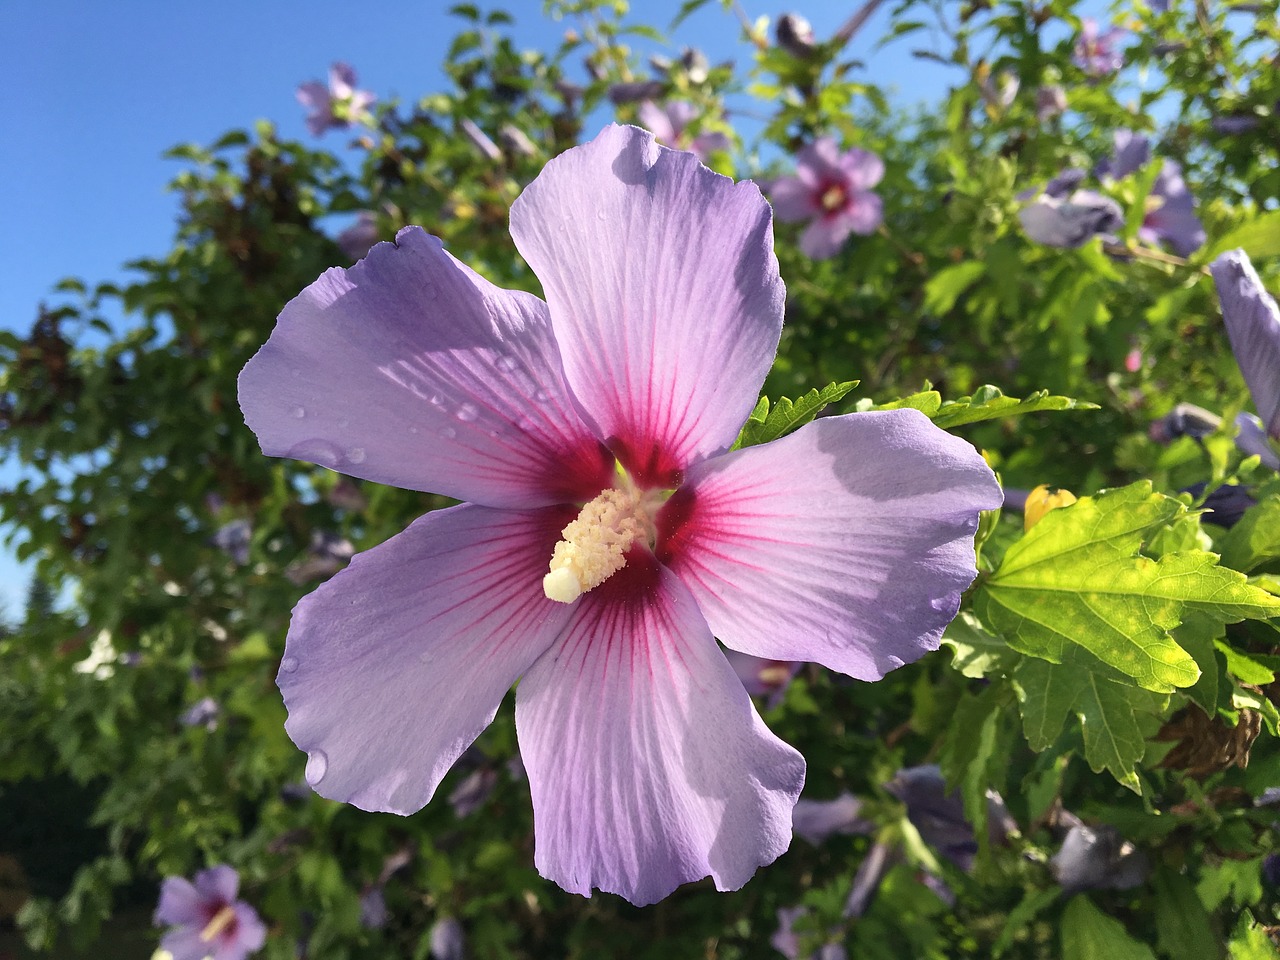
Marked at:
<point>595,544</point>
<point>833,198</point>
<point>218,923</point>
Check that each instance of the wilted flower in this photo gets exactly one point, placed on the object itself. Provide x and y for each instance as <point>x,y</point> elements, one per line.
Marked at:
<point>1234,124</point>
<point>356,240</point>
<point>833,190</point>
<point>447,940</point>
<point>816,820</point>
<point>479,139</point>
<point>336,106</point>
<point>1097,858</point>
<point>233,539</point>
<point>203,713</point>
<point>1253,326</point>
<point>795,35</point>
<point>1051,101</point>
<point>938,813</point>
<point>326,555</point>
<point>1071,221</point>
<point>1096,53</point>
<point>636,91</point>
<point>516,141</point>
<point>1184,420</point>
<point>670,124</point>
<point>593,431</point>
<point>206,917</point>
<point>1132,151</point>
<point>787,942</point>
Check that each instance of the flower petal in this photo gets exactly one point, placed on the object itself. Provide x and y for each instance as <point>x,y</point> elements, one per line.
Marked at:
<point>824,237</point>
<point>847,543</point>
<point>862,168</point>
<point>864,213</point>
<point>410,369</point>
<point>396,665</point>
<point>793,200</point>
<point>648,765</point>
<point>1253,324</point>
<point>179,903</point>
<point>218,884</point>
<point>664,295</point>
<point>185,943</point>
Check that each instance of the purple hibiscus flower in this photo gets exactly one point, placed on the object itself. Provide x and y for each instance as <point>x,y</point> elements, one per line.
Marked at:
<point>833,191</point>
<point>1097,54</point>
<point>356,239</point>
<point>1253,326</point>
<point>1098,858</point>
<point>1172,217</point>
<point>336,106</point>
<point>611,535</point>
<point>1051,101</point>
<point>207,919</point>
<point>670,125</point>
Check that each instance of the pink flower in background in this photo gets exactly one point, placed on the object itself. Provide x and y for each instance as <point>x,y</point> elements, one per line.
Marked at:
<point>670,125</point>
<point>833,191</point>
<point>207,919</point>
<point>336,106</point>
<point>611,535</point>
<point>1098,54</point>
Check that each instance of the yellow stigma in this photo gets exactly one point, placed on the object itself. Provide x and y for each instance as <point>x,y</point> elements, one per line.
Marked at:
<point>221,920</point>
<point>595,544</point>
<point>1043,499</point>
<point>833,198</point>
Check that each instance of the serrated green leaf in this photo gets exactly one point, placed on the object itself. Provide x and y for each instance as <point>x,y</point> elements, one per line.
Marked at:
<point>769,423</point>
<point>1245,668</point>
<point>1249,941</point>
<point>990,403</point>
<point>1112,714</point>
<point>1196,635</point>
<point>1089,934</point>
<point>1076,579</point>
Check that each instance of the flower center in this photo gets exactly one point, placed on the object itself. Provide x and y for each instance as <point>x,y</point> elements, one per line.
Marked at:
<point>595,544</point>
<point>833,198</point>
<point>221,920</point>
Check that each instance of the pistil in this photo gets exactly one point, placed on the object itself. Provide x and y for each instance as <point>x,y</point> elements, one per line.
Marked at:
<point>595,544</point>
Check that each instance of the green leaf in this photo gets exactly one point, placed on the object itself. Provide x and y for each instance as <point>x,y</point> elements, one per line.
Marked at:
<point>945,287</point>
<point>1183,928</point>
<point>975,650</point>
<point>1111,713</point>
<point>1021,915</point>
<point>1197,635</point>
<point>1255,539</point>
<point>1089,934</point>
<point>1249,941</point>
<point>767,424</point>
<point>987,403</point>
<point>1260,237</point>
<point>990,403</point>
<point>1076,580</point>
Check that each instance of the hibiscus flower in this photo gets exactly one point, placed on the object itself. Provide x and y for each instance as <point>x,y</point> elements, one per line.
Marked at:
<point>610,534</point>
<point>206,917</point>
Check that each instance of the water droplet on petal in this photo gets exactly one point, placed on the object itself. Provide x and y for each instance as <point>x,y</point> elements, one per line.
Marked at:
<point>356,455</point>
<point>344,422</point>
<point>542,396</point>
<point>299,413</point>
<point>506,364</point>
<point>602,214</point>
<point>467,412</point>
<point>943,604</point>
<point>316,451</point>
<point>317,767</point>
<point>288,664</point>
<point>413,430</point>
<point>448,433</point>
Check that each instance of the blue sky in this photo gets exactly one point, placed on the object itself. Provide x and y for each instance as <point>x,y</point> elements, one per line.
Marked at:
<point>96,92</point>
